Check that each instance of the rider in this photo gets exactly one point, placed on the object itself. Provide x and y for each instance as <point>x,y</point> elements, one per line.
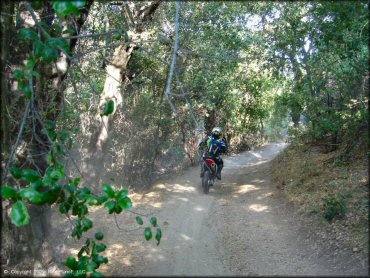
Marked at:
<point>215,146</point>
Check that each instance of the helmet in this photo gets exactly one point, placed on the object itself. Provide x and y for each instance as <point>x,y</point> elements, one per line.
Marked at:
<point>217,132</point>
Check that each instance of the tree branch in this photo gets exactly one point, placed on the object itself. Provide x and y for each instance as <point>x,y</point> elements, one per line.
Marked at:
<point>15,147</point>
<point>172,67</point>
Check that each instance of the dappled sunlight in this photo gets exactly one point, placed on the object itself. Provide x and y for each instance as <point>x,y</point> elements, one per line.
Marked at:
<point>199,208</point>
<point>73,251</point>
<point>258,181</point>
<point>185,237</point>
<point>157,205</point>
<point>113,250</point>
<point>183,199</point>
<point>255,154</point>
<point>152,194</point>
<point>181,188</point>
<point>258,162</point>
<point>258,207</point>
<point>246,188</point>
<point>160,186</point>
<point>265,195</point>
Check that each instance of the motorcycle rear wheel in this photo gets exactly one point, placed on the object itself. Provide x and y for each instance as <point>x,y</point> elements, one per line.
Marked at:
<point>205,182</point>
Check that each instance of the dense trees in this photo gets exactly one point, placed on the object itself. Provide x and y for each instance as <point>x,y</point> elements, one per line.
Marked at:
<point>85,87</point>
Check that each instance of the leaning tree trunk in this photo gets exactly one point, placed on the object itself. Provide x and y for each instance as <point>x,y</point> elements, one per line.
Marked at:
<point>116,71</point>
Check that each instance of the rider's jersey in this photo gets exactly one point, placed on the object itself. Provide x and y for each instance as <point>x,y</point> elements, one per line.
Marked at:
<point>215,146</point>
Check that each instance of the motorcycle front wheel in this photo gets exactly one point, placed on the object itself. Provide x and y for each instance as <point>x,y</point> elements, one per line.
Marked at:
<point>206,181</point>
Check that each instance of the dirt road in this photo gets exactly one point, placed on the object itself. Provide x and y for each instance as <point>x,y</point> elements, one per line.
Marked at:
<point>242,227</point>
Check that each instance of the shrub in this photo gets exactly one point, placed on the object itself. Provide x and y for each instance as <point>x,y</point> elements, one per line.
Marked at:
<point>334,207</point>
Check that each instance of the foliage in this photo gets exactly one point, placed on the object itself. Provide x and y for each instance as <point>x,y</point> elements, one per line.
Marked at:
<point>333,207</point>
<point>54,186</point>
<point>255,69</point>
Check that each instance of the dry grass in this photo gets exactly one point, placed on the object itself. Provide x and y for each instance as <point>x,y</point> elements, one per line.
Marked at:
<point>308,176</point>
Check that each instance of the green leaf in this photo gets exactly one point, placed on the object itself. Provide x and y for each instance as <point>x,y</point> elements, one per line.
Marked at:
<point>91,201</point>
<point>84,193</point>
<point>28,34</point>
<point>64,208</point>
<point>117,35</point>
<point>125,203</point>
<point>108,108</point>
<point>8,192</point>
<point>16,172</point>
<point>30,194</point>
<point>69,32</point>
<point>67,7</point>
<point>100,200</point>
<point>86,224</point>
<point>82,262</point>
<point>100,259</point>
<point>36,74</point>
<point>117,208</point>
<point>37,185</point>
<point>83,210</point>
<point>110,206</point>
<point>148,233</point>
<point>158,235</point>
<point>19,74</point>
<point>27,91</point>
<point>39,49</point>
<point>36,4</point>
<point>71,263</point>
<point>90,267</point>
<point>31,63</point>
<point>100,247</point>
<point>153,221</point>
<point>122,193</point>
<point>77,232</point>
<point>52,195</point>
<point>139,220</point>
<point>107,190</point>
<point>96,274</point>
<point>99,235</point>
<point>50,54</point>
<point>50,124</point>
<point>57,28</point>
<point>30,175</point>
<point>64,136</point>
<point>80,253</point>
<point>19,214</point>
<point>56,175</point>
<point>58,42</point>
<point>75,209</point>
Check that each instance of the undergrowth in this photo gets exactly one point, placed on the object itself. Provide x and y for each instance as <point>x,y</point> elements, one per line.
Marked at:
<point>327,187</point>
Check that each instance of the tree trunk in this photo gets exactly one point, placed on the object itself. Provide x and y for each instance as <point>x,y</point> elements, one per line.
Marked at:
<point>6,29</point>
<point>112,89</point>
<point>116,71</point>
<point>36,234</point>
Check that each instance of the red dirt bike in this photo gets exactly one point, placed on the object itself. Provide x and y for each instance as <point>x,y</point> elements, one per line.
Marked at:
<point>209,169</point>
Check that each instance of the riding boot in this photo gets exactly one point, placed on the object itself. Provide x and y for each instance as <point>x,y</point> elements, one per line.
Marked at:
<point>218,175</point>
<point>219,168</point>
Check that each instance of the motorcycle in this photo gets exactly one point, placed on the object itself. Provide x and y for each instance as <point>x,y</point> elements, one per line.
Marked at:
<point>209,173</point>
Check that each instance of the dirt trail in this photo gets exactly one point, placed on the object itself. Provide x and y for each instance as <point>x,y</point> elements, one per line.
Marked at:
<point>242,227</point>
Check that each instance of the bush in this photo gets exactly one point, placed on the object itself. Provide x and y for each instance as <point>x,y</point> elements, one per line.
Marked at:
<point>334,207</point>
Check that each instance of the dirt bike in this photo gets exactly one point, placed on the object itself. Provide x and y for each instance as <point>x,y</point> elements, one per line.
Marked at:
<point>209,173</point>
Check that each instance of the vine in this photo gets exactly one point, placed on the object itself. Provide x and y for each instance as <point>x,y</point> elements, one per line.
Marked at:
<point>54,186</point>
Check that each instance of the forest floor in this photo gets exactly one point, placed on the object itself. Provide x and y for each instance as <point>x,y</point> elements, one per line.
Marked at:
<point>244,226</point>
